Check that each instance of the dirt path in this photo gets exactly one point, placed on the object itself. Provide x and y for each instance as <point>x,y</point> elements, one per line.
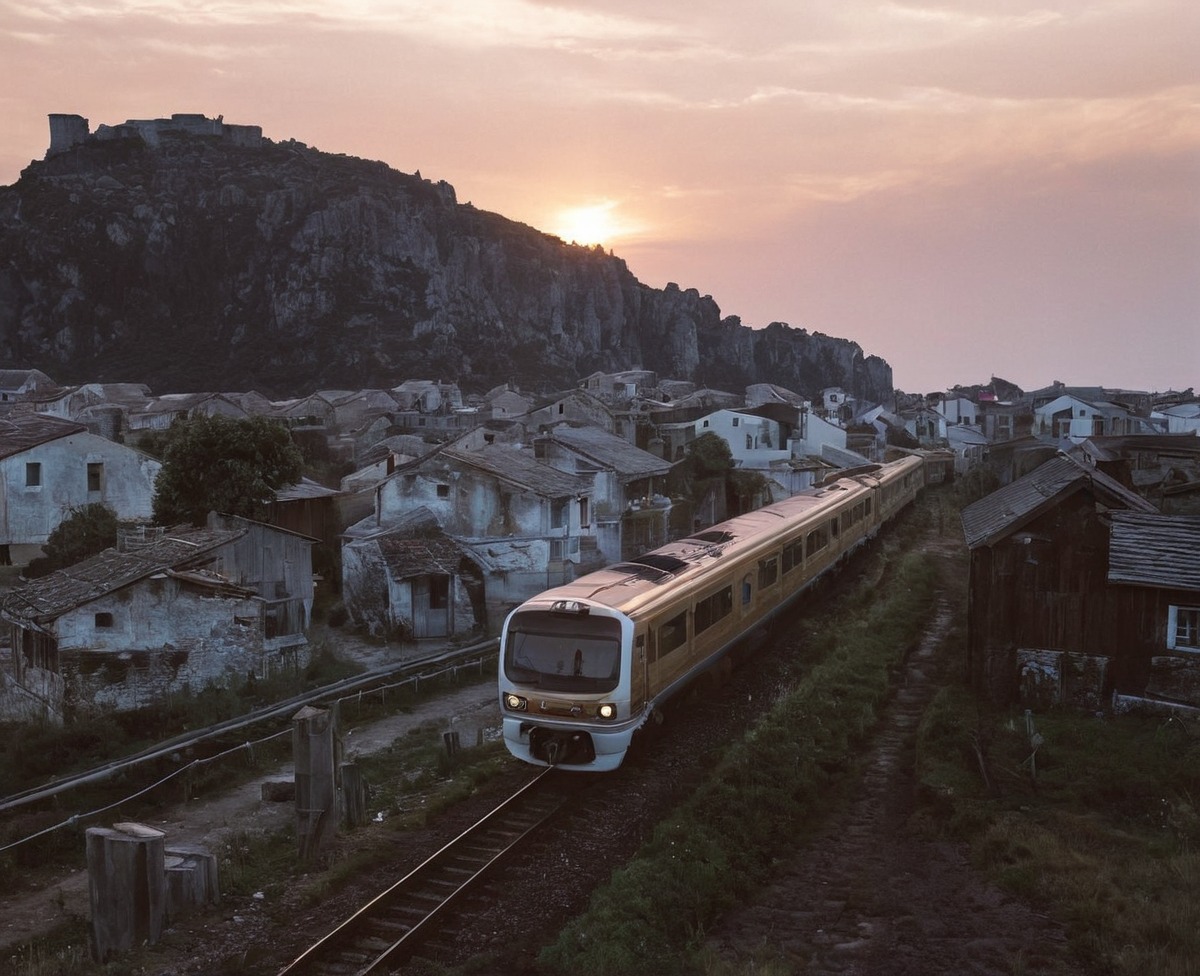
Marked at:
<point>871,896</point>
<point>32,906</point>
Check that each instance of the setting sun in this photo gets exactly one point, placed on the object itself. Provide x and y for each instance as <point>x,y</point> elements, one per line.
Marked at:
<point>587,225</point>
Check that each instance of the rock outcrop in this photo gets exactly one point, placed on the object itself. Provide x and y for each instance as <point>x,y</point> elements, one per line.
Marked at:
<point>200,264</point>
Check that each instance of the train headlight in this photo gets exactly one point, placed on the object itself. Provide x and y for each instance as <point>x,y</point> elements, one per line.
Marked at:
<point>515,703</point>
<point>607,710</point>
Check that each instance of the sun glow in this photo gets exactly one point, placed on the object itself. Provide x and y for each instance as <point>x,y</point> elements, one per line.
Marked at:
<point>594,224</point>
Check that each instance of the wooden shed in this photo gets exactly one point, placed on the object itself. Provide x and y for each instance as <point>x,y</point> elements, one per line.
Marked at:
<point>1043,618</point>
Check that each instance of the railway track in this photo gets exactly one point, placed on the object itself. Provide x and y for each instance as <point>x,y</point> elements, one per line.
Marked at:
<point>384,932</point>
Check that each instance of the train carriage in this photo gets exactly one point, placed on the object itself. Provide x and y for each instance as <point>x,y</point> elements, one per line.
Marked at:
<point>585,664</point>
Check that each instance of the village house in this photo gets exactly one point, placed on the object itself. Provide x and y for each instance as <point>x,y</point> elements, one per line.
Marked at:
<point>522,522</point>
<point>1069,417</point>
<point>630,511</point>
<point>1040,610</point>
<point>927,426</point>
<point>103,407</point>
<point>50,466</point>
<point>1153,602</point>
<point>1163,468</point>
<point>956,408</point>
<point>156,415</point>
<point>623,387</point>
<point>969,445</point>
<point>410,580</point>
<point>17,385</point>
<point>190,607</point>
<point>1004,420</point>
<point>754,442</point>
<point>575,406</point>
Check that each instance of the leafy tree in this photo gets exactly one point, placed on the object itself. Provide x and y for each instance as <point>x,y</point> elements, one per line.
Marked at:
<point>85,532</point>
<point>223,465</point>
<point>709,456</point>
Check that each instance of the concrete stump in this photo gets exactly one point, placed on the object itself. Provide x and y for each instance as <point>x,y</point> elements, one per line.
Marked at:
<point>314,752</point>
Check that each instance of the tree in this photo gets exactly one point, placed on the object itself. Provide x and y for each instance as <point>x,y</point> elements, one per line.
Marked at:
<point>84,532</point>
<point>223,465</point>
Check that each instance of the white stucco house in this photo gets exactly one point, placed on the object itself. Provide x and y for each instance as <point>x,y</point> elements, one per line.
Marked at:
<point>754,442</point>
<point>49,466</point>
<point>521,524</point>
<point>630,509</point>
<point>1070,417</point>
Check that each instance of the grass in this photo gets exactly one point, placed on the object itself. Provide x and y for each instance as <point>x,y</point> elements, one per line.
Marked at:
<point>1102,830</point>
<point>764,791</point>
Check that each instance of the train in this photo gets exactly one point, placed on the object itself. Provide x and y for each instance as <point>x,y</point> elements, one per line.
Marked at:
<point>583,666</point>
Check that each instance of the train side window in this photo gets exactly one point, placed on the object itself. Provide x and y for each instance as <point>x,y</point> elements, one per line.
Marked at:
<point>833,527</point>
<point>817,540</point>
<point>713,608</point>
<point>846,520</point>
<point>768,572</point>
<point>793,556</point>
<point>747,590</point>
<point>672,634</point>
<point>640,643</point>
<point>858,512</point>
<point>868,508</point>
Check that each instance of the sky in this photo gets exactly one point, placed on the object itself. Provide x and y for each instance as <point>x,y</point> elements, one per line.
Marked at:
<point>965,188</point>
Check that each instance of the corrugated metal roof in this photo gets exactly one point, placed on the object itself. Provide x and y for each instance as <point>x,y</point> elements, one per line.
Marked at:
<point>610,451</point>
<point>21,432</point>
<point>1007,509</point>
<point>51,596</point>
<point>521,468</point>
<point>1155,550</point>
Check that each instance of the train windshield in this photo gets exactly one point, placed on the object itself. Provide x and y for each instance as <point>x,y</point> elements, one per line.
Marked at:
<point>580,654</point>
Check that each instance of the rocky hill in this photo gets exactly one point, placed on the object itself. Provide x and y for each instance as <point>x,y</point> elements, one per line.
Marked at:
<point>189,263</point>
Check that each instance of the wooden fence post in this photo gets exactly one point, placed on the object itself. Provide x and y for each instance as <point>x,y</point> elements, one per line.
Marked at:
<point>127,887</point>
<point>313,751</point>
<point>354,795</point>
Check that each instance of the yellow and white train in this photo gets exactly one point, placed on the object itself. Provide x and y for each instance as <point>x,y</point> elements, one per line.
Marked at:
<point>584,665</point>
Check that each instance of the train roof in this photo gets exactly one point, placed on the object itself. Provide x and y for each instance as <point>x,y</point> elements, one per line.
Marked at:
<point>629,585</point>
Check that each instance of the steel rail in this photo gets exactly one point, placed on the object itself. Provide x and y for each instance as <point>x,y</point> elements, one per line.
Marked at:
<point>385,928</point>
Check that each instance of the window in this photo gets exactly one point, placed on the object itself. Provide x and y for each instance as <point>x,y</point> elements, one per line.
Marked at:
<point>818,539</point>
<point>95,470</point>
<point>713,608</point>
<point>768,572</point>
<point>33,474</point>
<point>793,555</point>
<point>833,527</point>
<point>704,423</point>
<point>443,491</point>
<point>558,513</point>
<point>104,620</point>
<point>672,634</point>
<point>735,422</point>
<point>747,590</point>
<point>1183,628</point>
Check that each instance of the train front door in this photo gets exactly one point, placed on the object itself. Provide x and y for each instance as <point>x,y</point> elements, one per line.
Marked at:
<point>431,606</point>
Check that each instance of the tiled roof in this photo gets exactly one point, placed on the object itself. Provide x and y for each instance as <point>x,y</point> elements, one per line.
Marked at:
<point>51,596</point>
<point>519,467</point>
<point>1155,550</point>
<point>610,452</point>
<point>21,432</point>
<point>1007,509</point>
<point>433,553</point>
